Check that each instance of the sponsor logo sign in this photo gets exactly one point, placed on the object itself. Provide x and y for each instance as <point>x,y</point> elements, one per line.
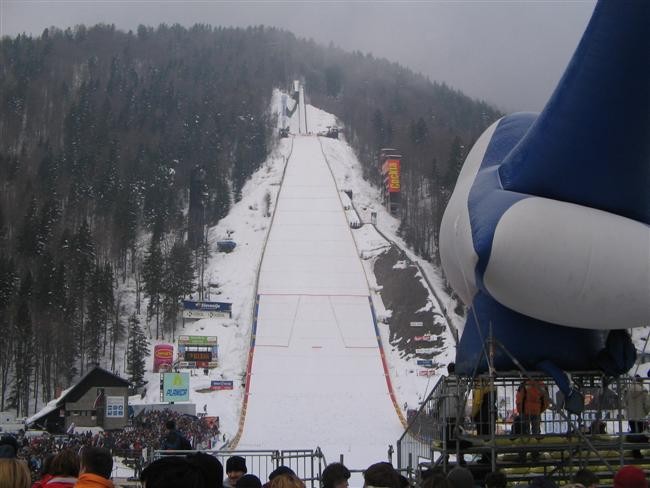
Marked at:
<point>423,338</point>
<point>393,175</point>
<point>197,365</point>
<point>197,351</point>
<point>221,385</point>
<point>426,372</point>
<point>425,350</point>
<point>425,362</point>
<point>200,340</point>
<point>163,354</point>
<point>114,406</point>
<point>176,387</point>
<point>206,310</point>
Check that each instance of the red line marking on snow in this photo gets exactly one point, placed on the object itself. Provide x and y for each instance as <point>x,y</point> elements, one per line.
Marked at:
<point>314,295</point>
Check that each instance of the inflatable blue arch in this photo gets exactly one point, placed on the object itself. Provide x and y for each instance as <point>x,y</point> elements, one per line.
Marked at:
<point>546,237</point>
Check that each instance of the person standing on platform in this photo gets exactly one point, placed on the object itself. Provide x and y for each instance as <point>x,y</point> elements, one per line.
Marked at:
<point>637,406</point>
<point>532,400</point>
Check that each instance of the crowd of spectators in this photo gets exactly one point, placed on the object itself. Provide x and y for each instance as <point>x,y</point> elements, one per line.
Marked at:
<point>147,431</point>
<point>89,467</point>
<point>71,461</point>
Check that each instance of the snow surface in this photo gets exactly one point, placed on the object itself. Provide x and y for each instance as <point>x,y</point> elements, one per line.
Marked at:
<point>317,377</point>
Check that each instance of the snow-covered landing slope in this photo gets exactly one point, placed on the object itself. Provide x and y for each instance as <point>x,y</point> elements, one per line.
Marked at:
<point>317,375</point>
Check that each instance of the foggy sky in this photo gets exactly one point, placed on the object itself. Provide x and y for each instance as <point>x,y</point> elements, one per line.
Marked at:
<point>509,53</point>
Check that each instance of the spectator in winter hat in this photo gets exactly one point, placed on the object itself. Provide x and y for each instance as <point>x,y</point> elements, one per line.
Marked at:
<point>235,469</point>
<point>8,447</point>
<point>335,475</point>
<point>630,477</point>
<point>249,481</point>
<point>585,478</point>
<point>381,474</point>
<point>437,480</point>
<point>460,477</point>
<point>173,472</point>
<point>281,470</point>
<point>542,482</point>
<point>497,479</point>
<point>211,468</point>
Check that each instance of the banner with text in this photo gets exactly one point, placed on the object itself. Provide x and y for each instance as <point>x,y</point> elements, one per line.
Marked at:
<point>176,387</point>
<point>114,406</point>
<point>221,385</point>
<point>206,310</point>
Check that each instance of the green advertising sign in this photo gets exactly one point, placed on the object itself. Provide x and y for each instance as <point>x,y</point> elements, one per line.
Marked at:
<point>198,340</point>
<point>176,387</point>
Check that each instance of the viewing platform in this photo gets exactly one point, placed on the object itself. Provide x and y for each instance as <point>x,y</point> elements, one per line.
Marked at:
<point>476,421</point>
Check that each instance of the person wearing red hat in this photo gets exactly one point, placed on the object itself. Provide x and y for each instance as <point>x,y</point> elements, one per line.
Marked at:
<point>630,477</point>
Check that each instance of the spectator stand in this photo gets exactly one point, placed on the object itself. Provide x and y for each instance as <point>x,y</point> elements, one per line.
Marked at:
<point>598,439</point>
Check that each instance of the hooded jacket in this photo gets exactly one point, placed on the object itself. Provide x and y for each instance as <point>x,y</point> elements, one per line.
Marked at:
<point>90,480</point>
<point>61,481</point>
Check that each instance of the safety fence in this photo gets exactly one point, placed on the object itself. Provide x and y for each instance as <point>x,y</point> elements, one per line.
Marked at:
<point>483,417</point>
<point>308,464</point>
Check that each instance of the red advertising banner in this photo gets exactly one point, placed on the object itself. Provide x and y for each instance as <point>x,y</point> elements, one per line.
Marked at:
<point>163,354</point>
<point>423,338</point>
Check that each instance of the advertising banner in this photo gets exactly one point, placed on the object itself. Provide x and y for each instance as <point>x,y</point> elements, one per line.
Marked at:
<point>427,372</point>
<point>423,338</point>
<point>114,406</point>
<point>425,350</point>
<point>197,340</point>
<point>197,351</point>
<point>206,310</point>
<point>221,385</point>
<point>163,356</point>
<point>425,362</point>
<point>393,183</point>
<point>176,387</point>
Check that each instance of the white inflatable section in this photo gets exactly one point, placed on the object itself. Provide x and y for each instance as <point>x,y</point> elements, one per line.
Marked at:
<point>571,265</point>
<point>315,340</point>
<point>456,247</point>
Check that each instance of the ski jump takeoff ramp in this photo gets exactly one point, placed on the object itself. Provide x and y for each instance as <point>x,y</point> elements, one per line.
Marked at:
<point>317,377</point>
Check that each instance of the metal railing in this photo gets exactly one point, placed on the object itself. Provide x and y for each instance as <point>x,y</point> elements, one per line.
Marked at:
<point>308,464</point>
<point>452,420</point>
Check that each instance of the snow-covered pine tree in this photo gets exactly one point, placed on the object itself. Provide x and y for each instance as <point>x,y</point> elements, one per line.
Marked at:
<point>137,351</point>
<point>152,275</point>
<point>178,282</point>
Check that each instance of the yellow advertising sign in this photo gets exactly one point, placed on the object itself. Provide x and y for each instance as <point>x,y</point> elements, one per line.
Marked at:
<point>393,175</point>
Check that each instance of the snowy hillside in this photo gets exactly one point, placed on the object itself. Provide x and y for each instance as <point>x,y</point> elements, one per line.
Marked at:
<point>235,273</point>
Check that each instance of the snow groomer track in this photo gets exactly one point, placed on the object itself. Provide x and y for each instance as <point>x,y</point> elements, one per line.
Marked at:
<point>317,374</point>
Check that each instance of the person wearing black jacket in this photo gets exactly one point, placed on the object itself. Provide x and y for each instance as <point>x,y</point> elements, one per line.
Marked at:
<point>174,440</point>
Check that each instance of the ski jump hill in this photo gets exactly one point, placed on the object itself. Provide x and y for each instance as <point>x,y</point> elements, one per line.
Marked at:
<point>317,374</point>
